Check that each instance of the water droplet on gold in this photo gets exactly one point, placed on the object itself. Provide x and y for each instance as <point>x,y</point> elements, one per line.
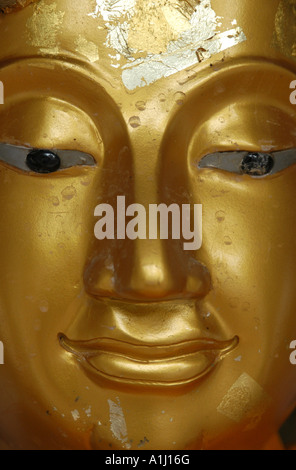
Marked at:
<point>135,122</point>
<point>227,241</point>
<point>220,216</point>
<point>68,193</point>
<point>180,97</point>
<point>55,201</point>
<point>141,105</point>
<point>85,182</point>
<point>43,306</point>
<point>162,97</point>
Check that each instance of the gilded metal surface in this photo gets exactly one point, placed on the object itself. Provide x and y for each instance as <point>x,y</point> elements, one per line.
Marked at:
<point>139,344</point>
<point>285,28</point>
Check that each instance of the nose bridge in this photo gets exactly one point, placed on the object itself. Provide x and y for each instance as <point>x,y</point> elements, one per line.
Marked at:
<point>151,275</point>
<point>142,269</point>
<point>148,274</point>
<point>146,160</point>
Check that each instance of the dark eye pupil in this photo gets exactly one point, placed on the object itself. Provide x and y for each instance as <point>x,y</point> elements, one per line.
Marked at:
<point>257,164</point>
<point>43,161</point>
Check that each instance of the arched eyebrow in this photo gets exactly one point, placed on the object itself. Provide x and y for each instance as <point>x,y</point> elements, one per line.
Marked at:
<point>9,6</point>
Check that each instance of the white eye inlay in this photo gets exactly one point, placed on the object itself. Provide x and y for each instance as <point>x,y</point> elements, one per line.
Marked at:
<point>16,156</point>
<point>255,164</point>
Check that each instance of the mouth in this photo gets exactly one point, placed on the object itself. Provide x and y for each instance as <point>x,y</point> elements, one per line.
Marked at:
<point>148,365</point>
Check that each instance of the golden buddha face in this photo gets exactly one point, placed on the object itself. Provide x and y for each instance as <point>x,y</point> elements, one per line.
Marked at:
<point>140,344</point>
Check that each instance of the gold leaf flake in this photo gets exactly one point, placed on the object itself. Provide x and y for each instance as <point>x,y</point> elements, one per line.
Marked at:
<point>159,38</point>
<point>43,27</point>
<point>246,399</point>
<point>87,48</point>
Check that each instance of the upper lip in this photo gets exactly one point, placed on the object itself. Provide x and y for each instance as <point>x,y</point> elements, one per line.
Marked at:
<point>144,352</point>
<point>134,354</point>
<point>154,365</point>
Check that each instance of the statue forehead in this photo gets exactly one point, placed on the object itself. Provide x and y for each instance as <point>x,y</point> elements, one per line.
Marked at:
<point>145,41</point>
<point>142,42</point>
<point>157,39</point>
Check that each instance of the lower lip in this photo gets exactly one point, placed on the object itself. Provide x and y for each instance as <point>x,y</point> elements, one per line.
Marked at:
<point>177,371</point>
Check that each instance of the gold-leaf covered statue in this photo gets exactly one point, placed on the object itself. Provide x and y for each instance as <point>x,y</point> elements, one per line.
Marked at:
<point>140,344</point>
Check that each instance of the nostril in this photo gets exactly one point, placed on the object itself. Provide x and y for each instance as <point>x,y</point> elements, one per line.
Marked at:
<point>145,272</point>
<point>198,281</point>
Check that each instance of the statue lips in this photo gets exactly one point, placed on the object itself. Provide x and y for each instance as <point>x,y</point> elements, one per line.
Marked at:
<point>149,365</point>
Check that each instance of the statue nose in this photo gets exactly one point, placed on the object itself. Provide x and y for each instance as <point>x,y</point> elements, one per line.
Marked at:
<point>145,271</point>
<point>135,268</point>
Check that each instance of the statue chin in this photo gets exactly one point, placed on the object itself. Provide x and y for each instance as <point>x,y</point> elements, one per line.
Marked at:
<point>147,187</point>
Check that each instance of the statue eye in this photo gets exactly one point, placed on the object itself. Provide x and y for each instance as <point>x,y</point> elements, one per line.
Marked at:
<point>43,161</point>
<point>257,164</point>
<point>254,164</point>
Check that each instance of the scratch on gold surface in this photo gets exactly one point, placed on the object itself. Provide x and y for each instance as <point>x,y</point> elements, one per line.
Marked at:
<point>87,48</point>
<point>246,400</point>
<point>43,27</point>
<point>284,37</point>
